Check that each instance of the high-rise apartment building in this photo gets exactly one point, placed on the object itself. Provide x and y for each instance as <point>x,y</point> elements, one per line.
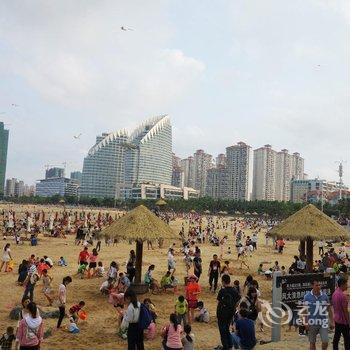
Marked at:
<point>264,174</point>
<point>29,190</point>
<point>4,138</point>
<point>10,187</point>
<point>297,166</point>
<point>273,173</point>
<point>220,160</point>
<point>103,169</point>
<point>202,162</point>
<point>187,166</point>
<point>239,160</point>
<point>14,188</point>
<point>284,175</point>
<point>217,182</point>
<point>288,167</point>
<point>177,178</point>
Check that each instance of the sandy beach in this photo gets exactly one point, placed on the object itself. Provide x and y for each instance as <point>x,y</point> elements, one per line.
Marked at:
<point>100,329</point>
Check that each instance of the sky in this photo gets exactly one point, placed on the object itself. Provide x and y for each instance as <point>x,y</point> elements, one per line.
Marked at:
<point>262,72</point>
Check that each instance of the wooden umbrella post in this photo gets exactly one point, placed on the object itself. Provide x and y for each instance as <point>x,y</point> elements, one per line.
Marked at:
<point>309,254</point>
<point>139,250</point>
<point>302,249</point>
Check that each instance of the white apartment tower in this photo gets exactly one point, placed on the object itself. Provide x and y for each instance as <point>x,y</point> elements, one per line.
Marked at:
<point>264,177</point>
<point>239,160</point>
<point>298,167</point>
<point>284,175</point>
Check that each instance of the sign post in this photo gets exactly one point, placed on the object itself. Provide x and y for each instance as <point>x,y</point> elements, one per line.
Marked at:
<point>289,291</point>
<point>276,304</point>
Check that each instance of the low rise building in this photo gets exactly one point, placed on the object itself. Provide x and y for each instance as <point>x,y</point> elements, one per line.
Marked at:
<point>61,186</point>
<point>151,191</point>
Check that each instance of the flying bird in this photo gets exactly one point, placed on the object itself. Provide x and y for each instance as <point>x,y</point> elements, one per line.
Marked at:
<point>125,28</point>
<point>77,136</point>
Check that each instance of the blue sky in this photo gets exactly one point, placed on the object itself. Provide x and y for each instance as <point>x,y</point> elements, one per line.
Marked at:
<point>261,72</point>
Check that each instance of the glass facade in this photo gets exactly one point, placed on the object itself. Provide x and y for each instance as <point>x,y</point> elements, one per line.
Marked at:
<point>149,155</point>
<point>4,137</point>
<point>103,169</point>
<point>60,185</point>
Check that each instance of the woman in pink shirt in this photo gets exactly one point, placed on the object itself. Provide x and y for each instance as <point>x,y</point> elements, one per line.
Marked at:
<point>92,262</point>
<point>30,331</point>
<point>172,334</point>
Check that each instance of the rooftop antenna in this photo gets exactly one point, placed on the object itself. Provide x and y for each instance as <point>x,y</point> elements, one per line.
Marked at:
<point>340,173</point>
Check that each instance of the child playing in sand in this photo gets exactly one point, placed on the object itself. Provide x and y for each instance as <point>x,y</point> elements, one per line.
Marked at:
<point>174,283</point>
<point>165,282</point>
<point>92,263</point>
<point>73,328</point>
<point>100,271</point>
<point>150,332</point>
<point>7,339</point>
<point>62,262</point>
<point>113,270</point>
<point>188,339</point>
<point>203,315</point>
<point>107,286</point>
<point>152,282</point>
<point>74,310</point>
<point>82,270</point>
<point>181,309</point>
<point>47,279</point>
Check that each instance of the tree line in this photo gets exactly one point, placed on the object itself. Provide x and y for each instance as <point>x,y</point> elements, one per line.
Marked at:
<point>200,205</point>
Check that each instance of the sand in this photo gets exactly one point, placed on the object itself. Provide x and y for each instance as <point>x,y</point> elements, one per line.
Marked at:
<point>99,330</point>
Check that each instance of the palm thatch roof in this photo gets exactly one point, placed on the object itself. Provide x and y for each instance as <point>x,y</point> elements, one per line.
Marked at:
<point>222,212</point>
<point>139,224</point>
<point>310,222</point>
<point>206,211</point>
<point>237,212</point>
<point>161,202</point>
<point>247,213</point>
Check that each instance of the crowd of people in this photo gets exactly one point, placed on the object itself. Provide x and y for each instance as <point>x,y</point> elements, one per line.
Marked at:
<point>238,304</point>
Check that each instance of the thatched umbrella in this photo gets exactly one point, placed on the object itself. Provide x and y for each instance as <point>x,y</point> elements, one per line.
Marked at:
<point>161,202</point>
<point>255,213</point>
<point>237,212</point>
<point>309,224</point>
<point>139,225</point>
<point>247,213</point>
<point>206,211</point>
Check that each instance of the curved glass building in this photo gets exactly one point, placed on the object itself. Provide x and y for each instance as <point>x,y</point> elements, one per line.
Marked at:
<point>103,169</point>
<point>148,157</point>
